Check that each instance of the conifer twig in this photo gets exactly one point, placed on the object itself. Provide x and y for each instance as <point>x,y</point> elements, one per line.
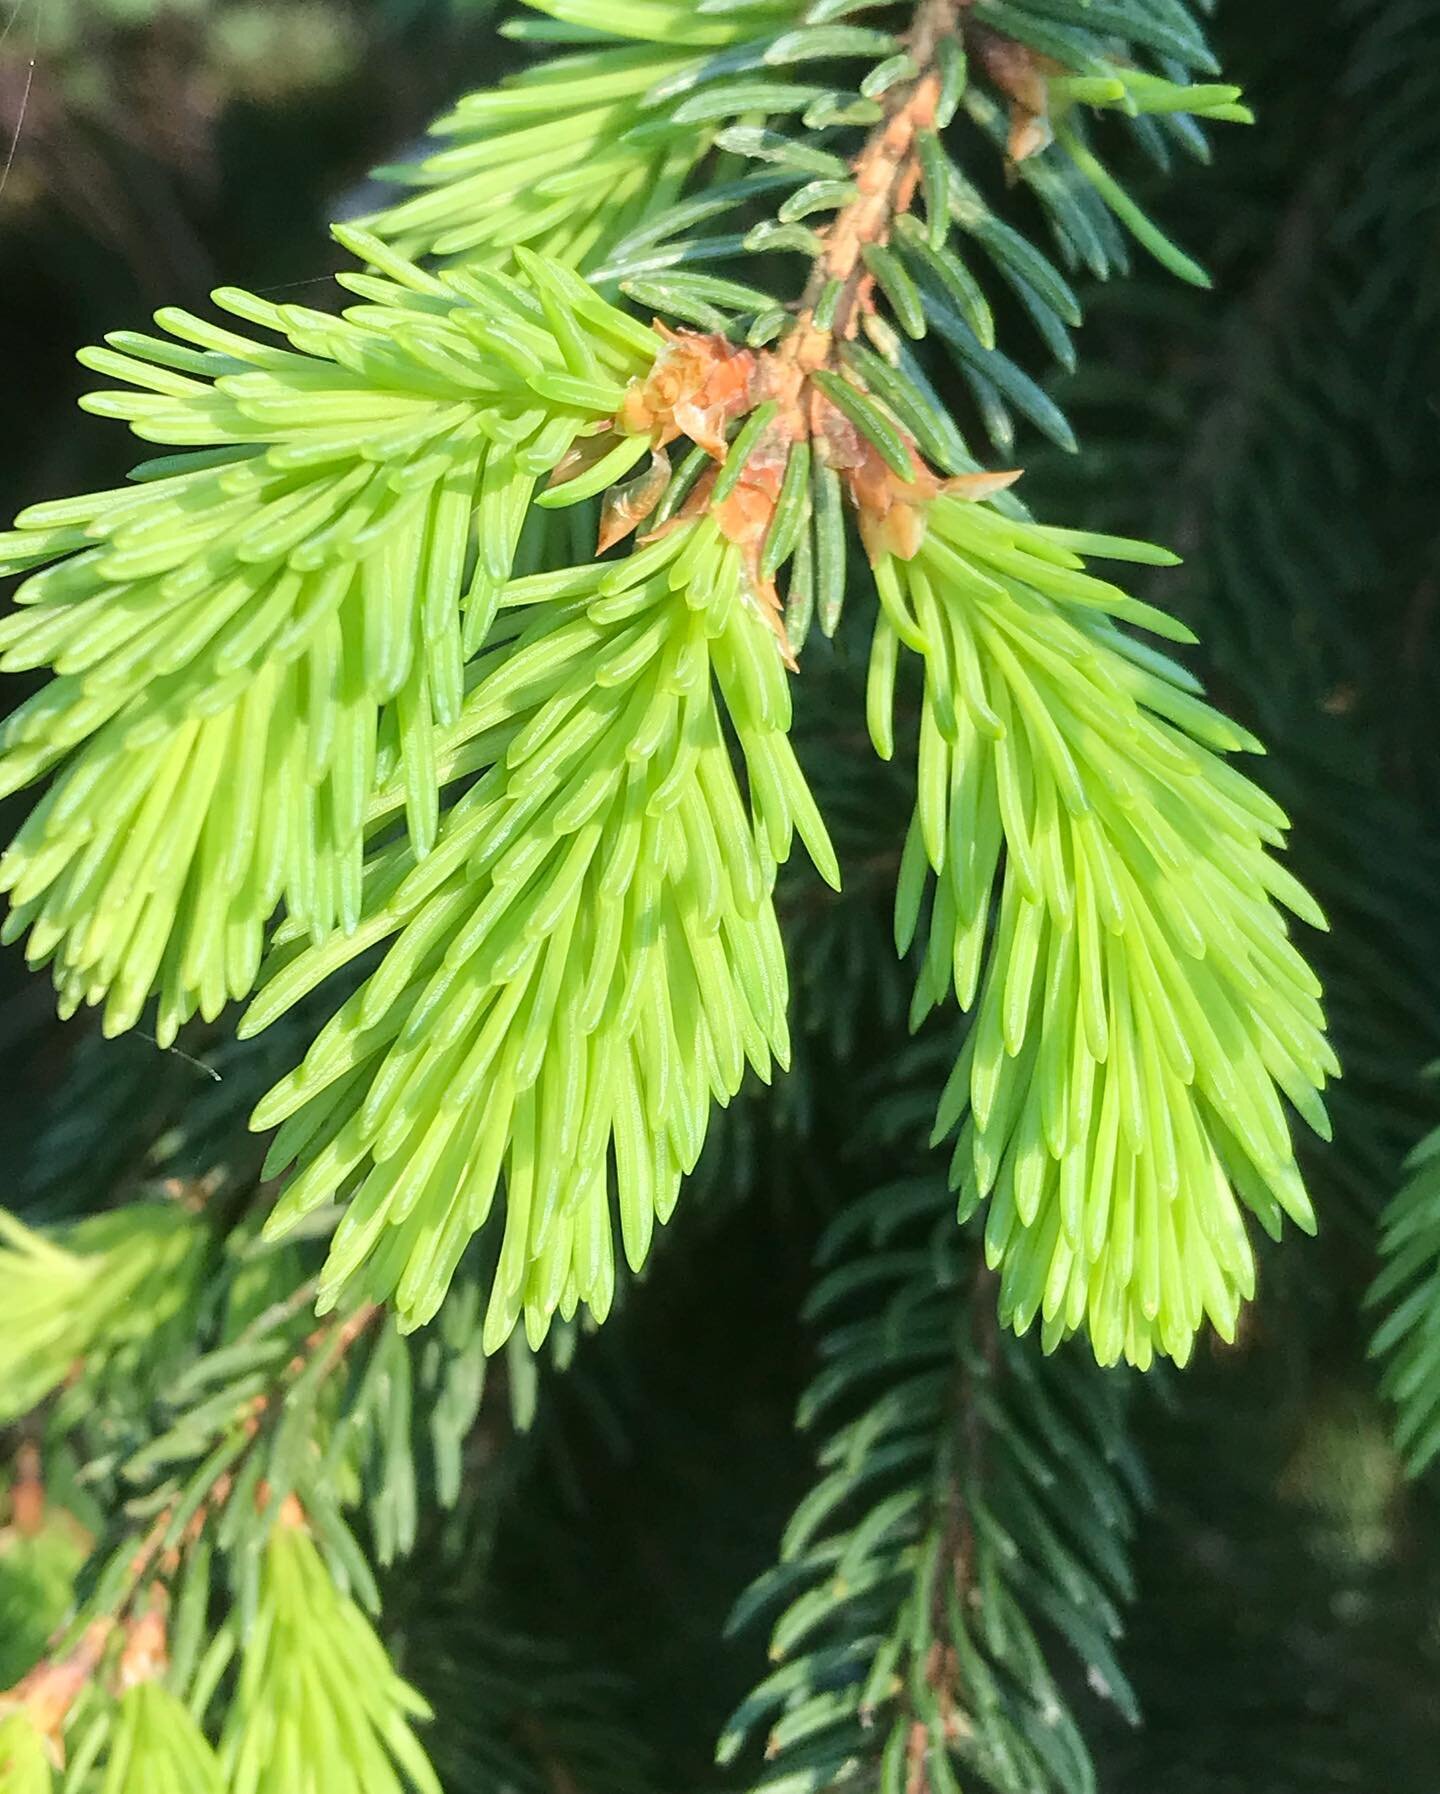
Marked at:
<point>51,1689</point>
<point>967,1436</point>
<point>887,174</point>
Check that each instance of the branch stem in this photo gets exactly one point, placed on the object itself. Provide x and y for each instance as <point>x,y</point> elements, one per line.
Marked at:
<point>887,174</point>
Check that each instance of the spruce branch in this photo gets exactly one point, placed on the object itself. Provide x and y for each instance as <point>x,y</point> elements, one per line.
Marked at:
<point>100,1299</point>
<point>648,99</point>
<point>1407,1290</point>
<point>111,1688</point>
<point>316,1688</point>
<point>974,1502</point>
<point>1140,1004</point>
<point>157,1742</point>
<point>520,825</point>
<point>258,627</point>
<point>1178,980</point>
<point>886,176</point>
<point>592,943</point>
<point>34,1714</point>
<point>560,382</point>
<point>148,1557</point>
<point>1312,380</point>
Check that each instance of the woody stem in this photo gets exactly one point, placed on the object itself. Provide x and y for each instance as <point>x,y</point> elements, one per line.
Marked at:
<point>887,174</point>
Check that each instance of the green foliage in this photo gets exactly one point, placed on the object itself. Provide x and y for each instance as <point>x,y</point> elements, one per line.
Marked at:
<point>343,1417</point>
<point>335,675</point>
<point>40,1559</point>
<point>95,1298</point>
<point>157,1744</point>
<point>592,944</point>
<point>638,121</point>
<point>24,1767</point>
<point>239,647</point>
<point>974,1505</point>
<point>1139,1000</point>
<point>1229,430</point>
<point>1408,1290</point>
<point>269,1413</point>
<point>316,1688</point>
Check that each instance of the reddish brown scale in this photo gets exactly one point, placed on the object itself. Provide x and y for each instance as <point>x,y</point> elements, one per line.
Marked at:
<point>626,507</point>
<point>1023,76</point>
<point>146,1656</point>
<point>698,387</point>
<point>51,1689</point>
<point>702,385</point>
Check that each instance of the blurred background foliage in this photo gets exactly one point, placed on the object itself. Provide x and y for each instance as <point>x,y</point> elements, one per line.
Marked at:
<point>1284,434</point>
